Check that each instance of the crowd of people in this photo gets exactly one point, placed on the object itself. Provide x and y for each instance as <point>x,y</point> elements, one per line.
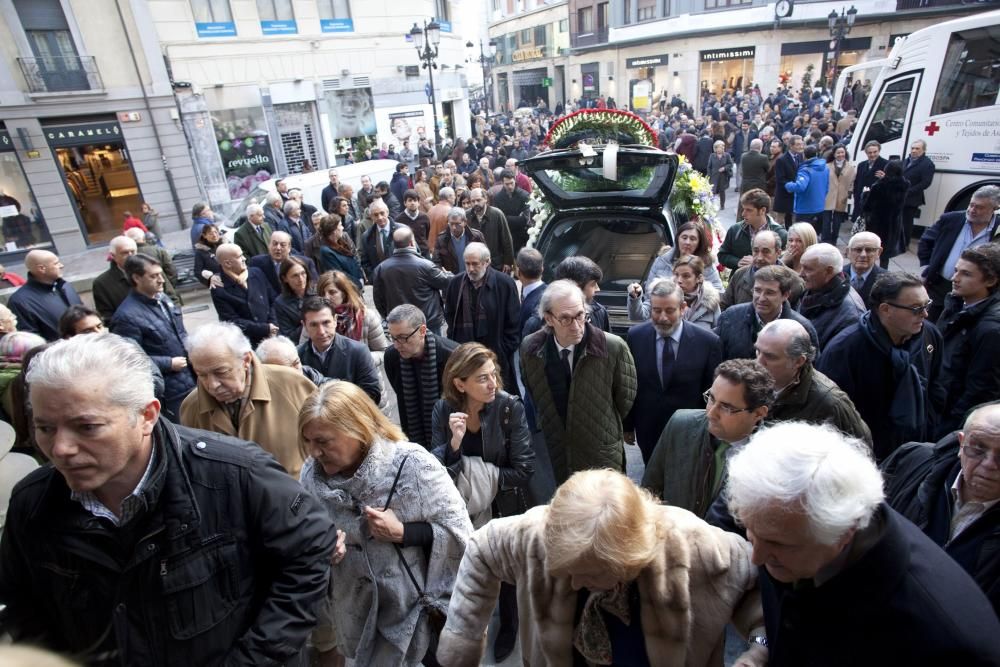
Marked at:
<point>820,436</point>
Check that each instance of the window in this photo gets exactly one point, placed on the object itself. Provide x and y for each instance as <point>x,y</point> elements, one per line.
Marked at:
<point>540,35</point>
<point>626,11</point>
<point>211,11</point>
<point>441,10</point>
<point>647,10</point>
<point>334,9</point>
<point>969,76</point>
<point>602,15</point>
<point>275,10</point>
<point>719,4</point>
<point>889,117</point>
<point>564,25</point>
<point>526,36</point>
<point>666,8</point>
<point>585,19</point>
<point>56,65</point>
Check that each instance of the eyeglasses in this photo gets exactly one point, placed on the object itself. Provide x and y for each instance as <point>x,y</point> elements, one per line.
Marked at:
<point>914,310</point>
<point>977,453</point>
<point>725,407</point>
<point>404,339</point>
<point>567,320</point>
<point>863,250</point>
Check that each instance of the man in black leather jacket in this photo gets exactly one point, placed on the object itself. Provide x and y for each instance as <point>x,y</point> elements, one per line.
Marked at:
<point>146,543</point>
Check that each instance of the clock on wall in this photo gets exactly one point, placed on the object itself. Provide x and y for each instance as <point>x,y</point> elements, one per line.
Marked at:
<point>783,9</point>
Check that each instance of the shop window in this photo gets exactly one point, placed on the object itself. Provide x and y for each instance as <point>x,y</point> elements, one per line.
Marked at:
<point>275,10</point>
<point>889,118</point>
<point>719,4</point>
<point>245,148</point>
<point>21,222</point>
<point>585,19</point>
<point>211,11</point>
<point>334,9</point>
<point>969,75</point>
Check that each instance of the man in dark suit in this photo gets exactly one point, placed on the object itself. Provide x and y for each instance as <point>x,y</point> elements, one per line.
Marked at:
<point>863,251</point>
<point>868,172</point>
<point>449,247</point>
<point>331,191</point>
<point>513,201</point>
<point>754,166</point>
<point>245,297</point>
<point>254,235</point>
<point>279,249</point>
<point>335,356</point>
<point>273,204</point>
<point>702,151</point>
<point>296,225</point>
<point>674,363</point>
<point>376,244</point>
<point>918,169</point>
<point>414,365</point>
<point>942,244</point>
<point>530,266</point>
<point>785,171</point>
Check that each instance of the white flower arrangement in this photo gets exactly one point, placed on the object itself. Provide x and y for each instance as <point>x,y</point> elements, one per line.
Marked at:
<point>541,213</point>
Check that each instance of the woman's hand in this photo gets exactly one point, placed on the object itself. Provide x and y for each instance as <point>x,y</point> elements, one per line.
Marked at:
<point>340,550</point>
<point>457,422</point>
<point>384,525</point>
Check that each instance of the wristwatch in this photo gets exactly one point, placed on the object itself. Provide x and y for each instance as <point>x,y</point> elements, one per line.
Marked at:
<point>760,640</point>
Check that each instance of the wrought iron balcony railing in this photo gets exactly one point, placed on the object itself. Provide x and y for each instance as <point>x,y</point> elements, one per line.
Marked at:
<point>53,74</point>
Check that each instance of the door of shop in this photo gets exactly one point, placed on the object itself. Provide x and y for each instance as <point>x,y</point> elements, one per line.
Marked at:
<point>297,131</point>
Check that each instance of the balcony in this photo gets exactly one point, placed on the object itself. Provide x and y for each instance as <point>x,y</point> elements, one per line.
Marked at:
<point>926,4</point>
<point>58,74</point>
<point>599,36</point>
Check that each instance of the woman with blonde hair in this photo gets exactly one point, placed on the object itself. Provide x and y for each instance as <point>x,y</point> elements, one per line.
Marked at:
<point>801,235</point>
<point>606,575</point>
<point>482,437</point>
<point>405,527</point>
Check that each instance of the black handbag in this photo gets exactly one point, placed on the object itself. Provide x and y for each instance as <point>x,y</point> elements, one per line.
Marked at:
<point>436,618</point>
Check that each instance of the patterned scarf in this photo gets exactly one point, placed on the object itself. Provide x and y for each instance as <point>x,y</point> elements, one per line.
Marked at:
<point>350,323</point>
<point>590,637</point>
<point>473,326</point>
<point>427,388</point>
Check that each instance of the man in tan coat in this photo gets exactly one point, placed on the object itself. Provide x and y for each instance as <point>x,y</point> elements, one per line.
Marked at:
<point>605,544</point>
<point>239,396</point>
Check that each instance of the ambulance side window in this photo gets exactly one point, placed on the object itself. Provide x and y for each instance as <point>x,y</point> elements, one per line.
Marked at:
<point>970,75</point>
<point>889,118</point>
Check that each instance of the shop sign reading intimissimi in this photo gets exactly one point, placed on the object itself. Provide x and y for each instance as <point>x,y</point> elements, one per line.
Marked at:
<point>738,53</point>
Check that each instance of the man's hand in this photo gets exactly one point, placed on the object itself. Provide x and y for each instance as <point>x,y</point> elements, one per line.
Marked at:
<point>635,290</point>
<point>507,268</point>
<point>746,260</point>
<point>215,281</point>
<point>274,329</point>
<point>178,363</point>
<point>384,525</point>
<point>629,437</point>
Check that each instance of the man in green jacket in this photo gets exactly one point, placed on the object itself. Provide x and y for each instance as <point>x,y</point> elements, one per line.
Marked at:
<point>735,250</point>
<point>688,466</point>
<point>802,392</point>
<point>582,381</point>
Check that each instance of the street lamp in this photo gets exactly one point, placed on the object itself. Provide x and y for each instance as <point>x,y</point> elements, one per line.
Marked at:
<point>485,59</point>
<point>840,27</point>
<point>427,40</point>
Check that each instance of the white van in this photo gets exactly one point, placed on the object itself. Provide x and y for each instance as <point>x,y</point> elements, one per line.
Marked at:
<point>312,185</point>
<point>940,84</point>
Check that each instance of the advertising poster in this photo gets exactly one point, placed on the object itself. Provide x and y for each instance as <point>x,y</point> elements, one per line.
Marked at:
<point>351,112</point>
<point>412,123</point>
<point>245,149</point>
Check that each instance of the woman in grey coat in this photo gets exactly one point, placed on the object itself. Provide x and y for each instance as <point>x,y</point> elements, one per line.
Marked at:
<point>720,170</point>
<point>404,528</point>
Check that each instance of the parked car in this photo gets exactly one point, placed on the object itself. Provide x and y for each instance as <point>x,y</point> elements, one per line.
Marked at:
<point>312,185</point>
<point>617,216</point>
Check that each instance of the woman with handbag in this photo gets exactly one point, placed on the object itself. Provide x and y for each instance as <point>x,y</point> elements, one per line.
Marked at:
<point>720,170</point>
<point>482,437</point>
<point>399,512</point>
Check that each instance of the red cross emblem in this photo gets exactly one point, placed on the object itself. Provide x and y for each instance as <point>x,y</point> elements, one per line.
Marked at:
<point>932,128</point>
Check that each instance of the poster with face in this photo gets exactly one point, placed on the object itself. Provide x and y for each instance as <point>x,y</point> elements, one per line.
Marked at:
<point>406,123</point>
<point>245,149</point>
<point>352,112</point>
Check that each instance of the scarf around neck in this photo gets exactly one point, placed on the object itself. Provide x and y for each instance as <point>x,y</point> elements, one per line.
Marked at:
<point>427,388</point>
<point>908,408</point>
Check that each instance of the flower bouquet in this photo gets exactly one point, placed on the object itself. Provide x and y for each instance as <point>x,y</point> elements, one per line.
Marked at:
<point>599,126</point>
<point>691,199</point>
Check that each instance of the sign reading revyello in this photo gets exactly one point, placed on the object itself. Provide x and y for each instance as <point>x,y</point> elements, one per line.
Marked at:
<point>737,53</point>
<point>80,134</point>
<point>647,61</point>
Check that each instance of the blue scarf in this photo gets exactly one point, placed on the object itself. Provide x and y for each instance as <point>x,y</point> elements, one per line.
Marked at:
<point>908,409</point>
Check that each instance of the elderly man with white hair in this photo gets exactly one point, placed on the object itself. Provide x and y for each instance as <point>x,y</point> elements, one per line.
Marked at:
<point>281,351</point>
<point>863,252</point>
<point>273,209</point>
<point>238,395</point>
<point>254,235</point>
<point>829,301</point>
<point>844,579</point>
<point>111,287</point>
<point>753,167</point>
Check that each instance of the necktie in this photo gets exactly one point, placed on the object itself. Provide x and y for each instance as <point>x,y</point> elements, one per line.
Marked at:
<point>260,231</point>
<point>857,282</point>
<point>666,361</point>
<point>567,365</point>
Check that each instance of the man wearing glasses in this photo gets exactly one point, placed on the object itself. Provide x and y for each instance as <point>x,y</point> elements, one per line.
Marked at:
<point>582,381</point>
<point>889,363</point>
<point>688,466</point>
<point>863,252</point>
<point>951,491</point>
<point>414,365</point>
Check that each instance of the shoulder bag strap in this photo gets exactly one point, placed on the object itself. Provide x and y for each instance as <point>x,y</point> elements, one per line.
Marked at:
<point>399,551</point>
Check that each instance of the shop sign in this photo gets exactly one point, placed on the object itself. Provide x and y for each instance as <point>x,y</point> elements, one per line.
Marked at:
<point>5,142</point>
<point>129,117</point>
<point>83,133</point>
<point>588,81</point>
<point>445,25</point>
<point>647,61</point>
<point>336,25</point>
<point>529,53</point>
<point>546,82</point>
<point>279,27</point>
<point>218,29</point>
<point>738,53</point>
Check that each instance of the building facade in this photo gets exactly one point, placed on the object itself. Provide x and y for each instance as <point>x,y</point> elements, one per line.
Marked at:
<point>89,128</point>
<point>264,86</point>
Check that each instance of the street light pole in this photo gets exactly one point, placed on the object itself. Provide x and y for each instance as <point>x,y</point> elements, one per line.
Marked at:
<point>483,61</point>
<point>840,27</point>
<point>426,41</point>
